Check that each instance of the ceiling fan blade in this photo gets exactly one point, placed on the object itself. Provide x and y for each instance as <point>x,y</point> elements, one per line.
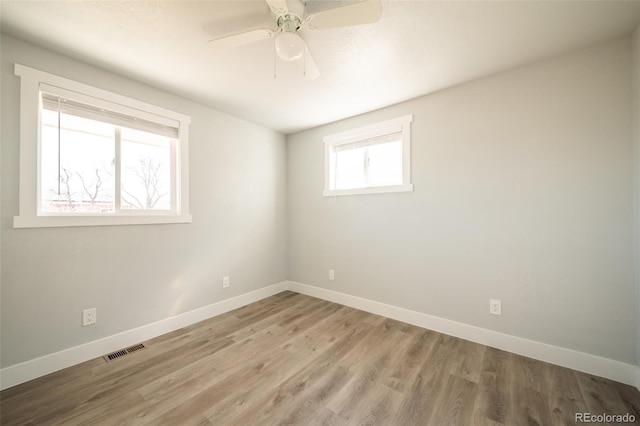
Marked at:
<point>307,65</point>
<point>236,40</point>
<point>278,7</point>
<point>364,12</point>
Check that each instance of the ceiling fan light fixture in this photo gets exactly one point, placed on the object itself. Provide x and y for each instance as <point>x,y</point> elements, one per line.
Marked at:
<point>289,46</point>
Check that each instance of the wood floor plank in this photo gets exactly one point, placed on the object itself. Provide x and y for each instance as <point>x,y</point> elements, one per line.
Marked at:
<point>563,409</point>
<point>467,361</point>
<point>455,403</point>
<point>235,405</point>
<point>601,395</point>
<point>530,373</point>
<point>380,408</point>
<point>411,360</point>
<point>419,402</point>
<point>222,361</point>
<point>104,414</point>
<point>497,370</point>
<point>629,397</point>
<point>201,400</point>
<point>529,407</point>
<point>312,398</point>
<point>290,313</point>
<point>293,359</point>
<point>273,402</point>
<point>493,403</point>
<point>377,366</point>
<point>252,348</point>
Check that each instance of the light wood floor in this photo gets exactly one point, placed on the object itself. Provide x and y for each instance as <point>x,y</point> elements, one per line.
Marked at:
<point>293,359</point>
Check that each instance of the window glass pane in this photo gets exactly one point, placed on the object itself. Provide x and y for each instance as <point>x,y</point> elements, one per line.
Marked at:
<point>385,164</point>
<point>77,171</point>
<point>349,169</point>
<point>145,170</point>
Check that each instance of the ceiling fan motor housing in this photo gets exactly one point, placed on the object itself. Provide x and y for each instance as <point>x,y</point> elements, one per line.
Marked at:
<point>289,23</point>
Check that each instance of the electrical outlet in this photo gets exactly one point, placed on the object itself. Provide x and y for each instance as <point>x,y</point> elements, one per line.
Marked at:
<point>225,282</point>
<point>332,275</point>
<point>89,317</point>
<point>495,307</point>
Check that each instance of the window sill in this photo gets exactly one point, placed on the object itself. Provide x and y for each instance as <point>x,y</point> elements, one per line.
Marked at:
<point>370,190</point>
<point>68,221</point>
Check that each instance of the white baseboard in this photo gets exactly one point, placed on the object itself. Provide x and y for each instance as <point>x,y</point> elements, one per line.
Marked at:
<point>28,370</point>
<point>592,364</point>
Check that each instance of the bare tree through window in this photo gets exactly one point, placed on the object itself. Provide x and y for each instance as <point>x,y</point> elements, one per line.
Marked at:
<point>78,188</point>
<point>64,188</point>
<point>91,189</point>
<point>149,174</point>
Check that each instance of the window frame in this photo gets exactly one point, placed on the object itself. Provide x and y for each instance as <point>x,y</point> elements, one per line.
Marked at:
<point>31,82</point>
<point>396,125</point>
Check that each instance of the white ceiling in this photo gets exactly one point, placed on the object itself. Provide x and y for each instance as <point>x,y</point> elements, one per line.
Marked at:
<point>418,47</point>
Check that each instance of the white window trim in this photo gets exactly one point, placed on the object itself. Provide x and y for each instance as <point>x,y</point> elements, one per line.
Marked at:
<point>30,81</point>
<point>400,124</point>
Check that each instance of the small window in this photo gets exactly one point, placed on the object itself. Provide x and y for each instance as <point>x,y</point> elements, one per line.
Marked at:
<point>91,157</point>
<point>372,159</point>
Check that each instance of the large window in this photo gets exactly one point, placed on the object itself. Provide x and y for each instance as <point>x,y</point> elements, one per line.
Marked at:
<point>91,157</point>
<point>370,159</point>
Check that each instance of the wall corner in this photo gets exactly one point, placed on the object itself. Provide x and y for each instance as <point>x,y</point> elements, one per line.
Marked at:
<point>635,118</point>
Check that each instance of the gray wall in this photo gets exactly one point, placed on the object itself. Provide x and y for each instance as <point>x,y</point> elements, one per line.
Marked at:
<point>523,192</point>
<point>636,178</point>
<point>135,275</point>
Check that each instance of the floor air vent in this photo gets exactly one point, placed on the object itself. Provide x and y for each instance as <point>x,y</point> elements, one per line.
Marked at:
<point>123,352</point>
<point>135,348</point>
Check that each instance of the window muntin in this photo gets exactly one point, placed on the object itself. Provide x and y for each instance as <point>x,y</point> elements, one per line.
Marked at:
<point>91,157</point>
<point>371,159</point>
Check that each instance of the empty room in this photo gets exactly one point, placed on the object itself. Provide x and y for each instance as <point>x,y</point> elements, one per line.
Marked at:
<point>341,212</point>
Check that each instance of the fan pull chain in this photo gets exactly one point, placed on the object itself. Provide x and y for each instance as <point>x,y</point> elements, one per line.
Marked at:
<point>274,61</point>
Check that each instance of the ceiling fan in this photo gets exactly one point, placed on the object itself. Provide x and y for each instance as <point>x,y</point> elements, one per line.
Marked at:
<point>290,17</point>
